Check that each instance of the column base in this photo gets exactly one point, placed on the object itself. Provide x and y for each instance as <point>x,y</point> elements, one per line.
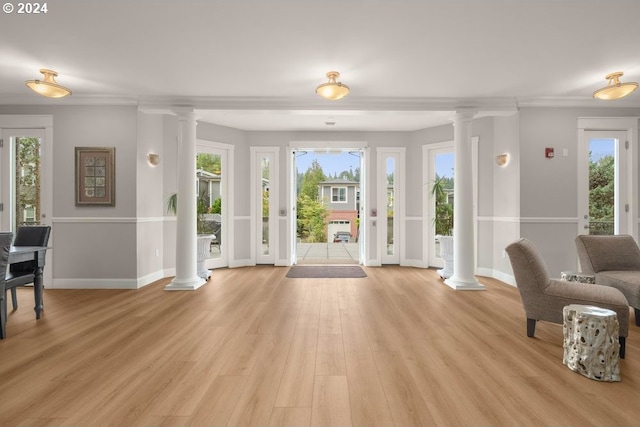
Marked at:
<point>464,285</point>
<point>185,285</point>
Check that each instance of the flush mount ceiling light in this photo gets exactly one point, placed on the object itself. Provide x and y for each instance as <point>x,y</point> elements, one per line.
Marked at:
<point>48,87</point>
<point>615,89</point>
<point>332,89</point>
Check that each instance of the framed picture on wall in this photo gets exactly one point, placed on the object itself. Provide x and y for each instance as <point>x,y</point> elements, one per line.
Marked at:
<point>95,176</point>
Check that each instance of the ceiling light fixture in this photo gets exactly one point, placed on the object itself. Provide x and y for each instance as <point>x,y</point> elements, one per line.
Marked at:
<point>48,87</point>
<point>333,90</point>
<point>615,89</point>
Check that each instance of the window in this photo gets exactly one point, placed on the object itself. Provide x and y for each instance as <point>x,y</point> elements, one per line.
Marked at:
<point>339,194</point>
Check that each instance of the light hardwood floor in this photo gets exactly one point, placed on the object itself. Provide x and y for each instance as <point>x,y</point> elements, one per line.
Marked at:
<point>253,347</point>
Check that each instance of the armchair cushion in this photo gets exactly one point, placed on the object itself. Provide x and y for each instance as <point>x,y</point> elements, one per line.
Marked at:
<point>615,261</point>
<point>608,253</point>
<point>627,281</point>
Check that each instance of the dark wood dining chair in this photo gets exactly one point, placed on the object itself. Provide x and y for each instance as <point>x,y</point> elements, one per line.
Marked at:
<point>5,245</point>
<point>23,273</point>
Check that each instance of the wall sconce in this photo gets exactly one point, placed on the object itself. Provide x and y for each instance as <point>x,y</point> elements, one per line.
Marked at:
<point>502,159</point>
<point>153,159</point>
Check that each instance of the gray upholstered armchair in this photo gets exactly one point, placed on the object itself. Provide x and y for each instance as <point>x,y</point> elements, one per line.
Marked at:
<point>615,261</point>
<point>544,298</point>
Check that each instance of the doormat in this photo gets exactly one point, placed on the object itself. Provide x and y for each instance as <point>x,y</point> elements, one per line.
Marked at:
<point>325,271</point>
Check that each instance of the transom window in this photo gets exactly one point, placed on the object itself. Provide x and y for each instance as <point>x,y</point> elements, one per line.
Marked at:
<point>339,194</point>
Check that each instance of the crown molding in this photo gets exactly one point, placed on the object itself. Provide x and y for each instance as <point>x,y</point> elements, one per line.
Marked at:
<point>168,104</point>
<point>578,101</point>
<point>72,100</point>
<point>317,104</point>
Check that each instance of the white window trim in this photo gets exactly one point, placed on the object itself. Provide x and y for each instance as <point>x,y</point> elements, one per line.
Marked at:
<point>346,194</point>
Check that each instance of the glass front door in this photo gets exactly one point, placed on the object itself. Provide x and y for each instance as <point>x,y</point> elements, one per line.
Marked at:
<point>212,173</point>
<point>604,202</point>
<point>265,177</point>
<point>21,171</point>
<point>390,191</point>
<point>440,186</point>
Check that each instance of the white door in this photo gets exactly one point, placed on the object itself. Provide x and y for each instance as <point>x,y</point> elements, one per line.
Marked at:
<point>390,203</point>
<point>213,167</point>
<point>21,172</point>
<point>603,193</point>
<point>440,161</point>
<point>25,177</point>
<point>265,185</point>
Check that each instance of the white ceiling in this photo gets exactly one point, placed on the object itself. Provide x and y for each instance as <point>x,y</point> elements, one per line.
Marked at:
<point>254,64</point>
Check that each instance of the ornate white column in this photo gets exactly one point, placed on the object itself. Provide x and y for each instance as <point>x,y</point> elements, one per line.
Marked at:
<point>186,230</point>
<point>463,277</point>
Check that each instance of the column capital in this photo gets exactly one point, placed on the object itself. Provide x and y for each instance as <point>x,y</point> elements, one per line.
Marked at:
<point>466,113</point>
<point>184,113</point>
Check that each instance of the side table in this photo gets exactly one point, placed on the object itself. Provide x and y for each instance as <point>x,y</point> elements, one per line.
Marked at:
<point>591,346</point>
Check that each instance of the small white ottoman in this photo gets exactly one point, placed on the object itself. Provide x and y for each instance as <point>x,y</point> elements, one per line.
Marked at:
<point>591,345</point>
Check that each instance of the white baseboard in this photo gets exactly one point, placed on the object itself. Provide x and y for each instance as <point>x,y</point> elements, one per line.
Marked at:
<point>91,283</point>
<point>150,278</point>
<point>418,263</point>
<point>503,277</point>
<point>94,284</point>
<point>241,263</point>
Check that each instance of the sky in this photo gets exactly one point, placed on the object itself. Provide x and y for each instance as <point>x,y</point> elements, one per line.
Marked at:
<point>338,162</point>
<point>600,147</point>
<point>331,163</point>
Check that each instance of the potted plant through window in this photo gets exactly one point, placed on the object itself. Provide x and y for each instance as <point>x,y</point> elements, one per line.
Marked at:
<point>443,222</point>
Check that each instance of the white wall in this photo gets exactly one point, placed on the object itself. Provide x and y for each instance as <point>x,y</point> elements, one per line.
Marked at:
<point>94,246</point>
<point>149,199</point>
<point>548,187</point>
<point>116,246</point>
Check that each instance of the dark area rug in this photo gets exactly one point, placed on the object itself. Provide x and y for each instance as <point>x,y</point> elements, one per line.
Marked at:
<point>325,271</point>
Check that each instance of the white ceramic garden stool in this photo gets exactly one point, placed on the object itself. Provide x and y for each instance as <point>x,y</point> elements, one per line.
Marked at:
<point>446,253</point>
<point>591,345</point>
<point>204,247</point>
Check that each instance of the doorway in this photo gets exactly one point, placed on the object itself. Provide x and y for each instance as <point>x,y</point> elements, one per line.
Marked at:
<point>390,184</point>
<point>607,175</point>
<point>438,180</point>
<point>440,161</point>
<point>327,203</point>
<point>603,199</point>
<point>26,174</point>
<point>21,179</point>
<point>212,172</point>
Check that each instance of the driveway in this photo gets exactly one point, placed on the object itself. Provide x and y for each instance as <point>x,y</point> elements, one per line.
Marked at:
<point>327,253</point>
